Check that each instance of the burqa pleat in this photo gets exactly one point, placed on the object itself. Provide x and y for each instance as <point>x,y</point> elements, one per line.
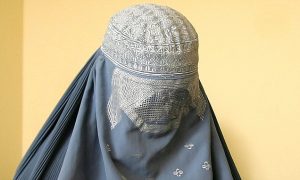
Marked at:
<point>77,141</point>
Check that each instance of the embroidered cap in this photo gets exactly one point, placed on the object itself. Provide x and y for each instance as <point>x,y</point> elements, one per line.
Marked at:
<point>153,40</point>
<point>161,45</point>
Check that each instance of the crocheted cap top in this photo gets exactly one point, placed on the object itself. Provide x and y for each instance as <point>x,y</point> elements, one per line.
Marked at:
<point>152,40</point>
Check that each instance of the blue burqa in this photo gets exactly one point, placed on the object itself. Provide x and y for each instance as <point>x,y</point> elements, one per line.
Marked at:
<point>136,111</point>
<point>77,143</point>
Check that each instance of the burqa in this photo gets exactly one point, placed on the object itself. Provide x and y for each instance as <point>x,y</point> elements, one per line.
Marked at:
<point>136,111</point>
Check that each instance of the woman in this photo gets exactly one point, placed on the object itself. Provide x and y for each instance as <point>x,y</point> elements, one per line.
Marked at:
<point>136,110</point>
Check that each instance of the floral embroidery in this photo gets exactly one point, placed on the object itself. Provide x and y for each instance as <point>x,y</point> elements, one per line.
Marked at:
<point>108,147</point>
<point>177,172</point>
<point>206,166</point>
<point>189,146</point>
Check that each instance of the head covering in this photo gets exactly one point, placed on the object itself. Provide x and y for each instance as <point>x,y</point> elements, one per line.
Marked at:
<point>155,49</point>
<point>136,110</point>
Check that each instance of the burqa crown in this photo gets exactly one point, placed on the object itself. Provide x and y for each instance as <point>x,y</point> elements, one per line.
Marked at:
<point>153,40</point>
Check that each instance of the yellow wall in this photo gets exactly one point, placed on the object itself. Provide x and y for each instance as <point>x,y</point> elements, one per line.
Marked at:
<point>10,86</point>
<point>249,66</point>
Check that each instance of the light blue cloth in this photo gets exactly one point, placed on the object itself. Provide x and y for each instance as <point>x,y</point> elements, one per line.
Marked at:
<point>76,142</point>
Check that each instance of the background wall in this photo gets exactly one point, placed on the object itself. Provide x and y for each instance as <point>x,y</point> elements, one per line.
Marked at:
<point>249,66</point>
<point>10,86</point>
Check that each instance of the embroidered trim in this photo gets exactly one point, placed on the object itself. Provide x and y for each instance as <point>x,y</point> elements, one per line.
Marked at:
<point>152,39</point>
<point>153,105</point>
<point>155,82</point>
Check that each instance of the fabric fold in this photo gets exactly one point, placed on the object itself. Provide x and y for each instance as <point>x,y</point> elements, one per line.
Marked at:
<point>55,131</point>
<point>77,142</point>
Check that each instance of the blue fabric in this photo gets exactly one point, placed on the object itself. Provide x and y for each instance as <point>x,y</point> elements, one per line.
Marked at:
<point>76,142</point>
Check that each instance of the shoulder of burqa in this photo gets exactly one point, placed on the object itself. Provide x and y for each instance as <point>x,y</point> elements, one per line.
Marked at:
<point>136,110</point>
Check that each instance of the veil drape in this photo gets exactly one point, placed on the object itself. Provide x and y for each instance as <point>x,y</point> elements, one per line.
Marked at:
<point>76,141</point>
